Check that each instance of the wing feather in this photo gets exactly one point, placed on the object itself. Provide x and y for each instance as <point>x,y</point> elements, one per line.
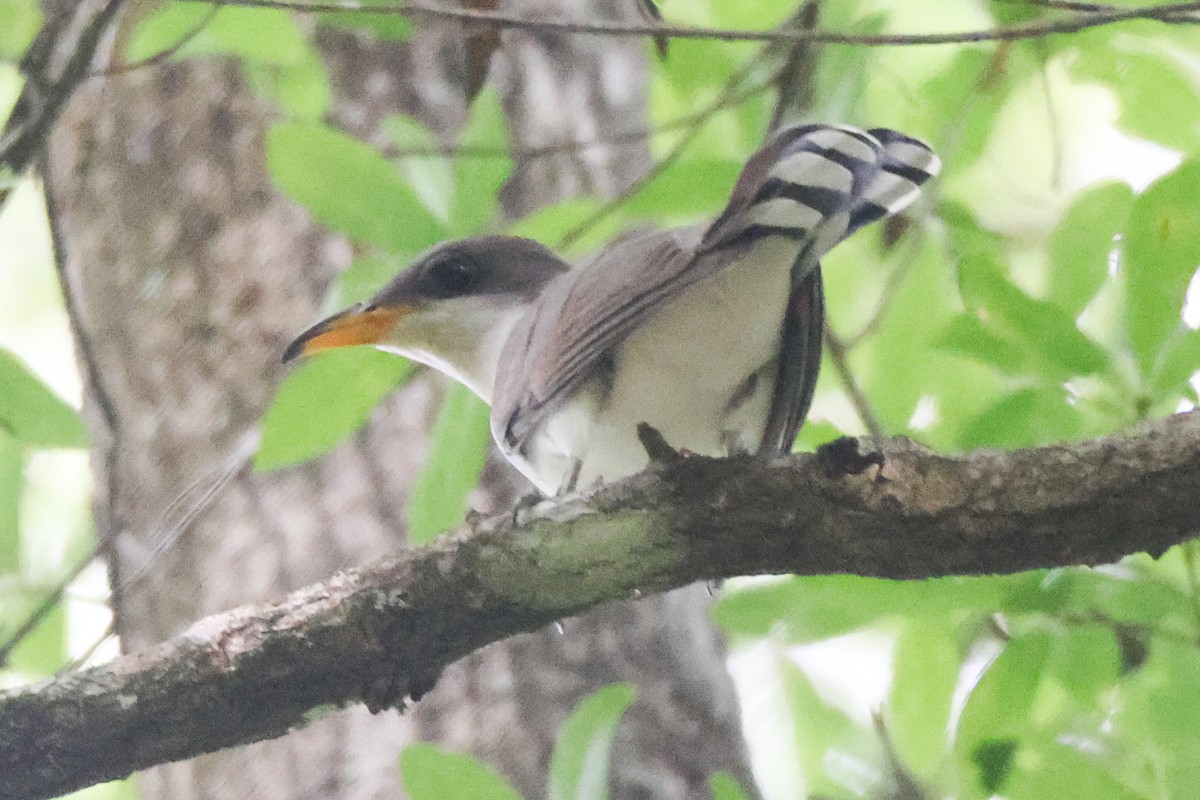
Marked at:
<point>814,184</point>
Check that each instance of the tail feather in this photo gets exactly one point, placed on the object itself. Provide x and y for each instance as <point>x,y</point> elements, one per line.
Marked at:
<point>817,184</point>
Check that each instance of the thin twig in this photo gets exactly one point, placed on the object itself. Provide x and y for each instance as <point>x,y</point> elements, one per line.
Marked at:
<point>162,55</point>
<point>1097,617</point>
<point>891,288</point>
<point>837,355</point>
<point>573,146</point>
<point>729,95</point>
<point>1193,573</point>
<point>48,604</point>
<point>174,521</point>
<point>80,661</point>
<point>1165,12</point>
<point>49,85</point>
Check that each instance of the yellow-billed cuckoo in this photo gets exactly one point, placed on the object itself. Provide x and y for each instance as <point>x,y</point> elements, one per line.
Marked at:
<point>711,334</point>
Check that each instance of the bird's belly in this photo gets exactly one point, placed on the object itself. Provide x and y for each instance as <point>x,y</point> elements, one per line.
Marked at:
<point>701,371</point>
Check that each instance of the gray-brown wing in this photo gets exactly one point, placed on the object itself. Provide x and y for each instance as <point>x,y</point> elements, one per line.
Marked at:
<point>584,314</point>
<point>813,184</point>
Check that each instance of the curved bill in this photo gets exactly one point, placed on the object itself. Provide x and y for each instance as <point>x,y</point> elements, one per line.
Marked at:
<point>356,325</point>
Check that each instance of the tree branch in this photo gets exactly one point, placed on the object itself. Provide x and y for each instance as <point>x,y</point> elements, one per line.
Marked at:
<point>1070,23</point>
<point>54,65</point>
<point>383,632</point>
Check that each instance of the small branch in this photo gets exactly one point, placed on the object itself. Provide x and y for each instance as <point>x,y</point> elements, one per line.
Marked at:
<point>731,94</point>
<point>48,604</point>
<point>858,398</point>
<point>912,240</point>
<point>570,145</point>
<point>1165,12</point>
<point>162,55</point>
<point>384,632</point>
<point>57,62</point>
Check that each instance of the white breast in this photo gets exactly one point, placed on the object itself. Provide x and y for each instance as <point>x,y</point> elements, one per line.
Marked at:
<point>678,372</point>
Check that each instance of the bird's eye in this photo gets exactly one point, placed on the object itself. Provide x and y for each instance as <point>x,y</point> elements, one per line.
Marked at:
<point>452,277</point>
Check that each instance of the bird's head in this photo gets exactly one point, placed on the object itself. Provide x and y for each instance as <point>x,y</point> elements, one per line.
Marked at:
<point>452,308</point>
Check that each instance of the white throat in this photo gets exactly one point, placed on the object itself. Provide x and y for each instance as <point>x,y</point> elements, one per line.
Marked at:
<point>461,338</point>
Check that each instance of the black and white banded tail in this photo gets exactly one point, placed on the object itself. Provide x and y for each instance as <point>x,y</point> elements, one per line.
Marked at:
<point>817,184</point>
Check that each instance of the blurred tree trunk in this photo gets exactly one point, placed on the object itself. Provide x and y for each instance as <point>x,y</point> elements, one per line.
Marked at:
<point>187,273</point>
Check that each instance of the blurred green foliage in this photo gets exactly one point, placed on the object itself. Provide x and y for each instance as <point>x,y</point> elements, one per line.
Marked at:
<point>1038,295</point>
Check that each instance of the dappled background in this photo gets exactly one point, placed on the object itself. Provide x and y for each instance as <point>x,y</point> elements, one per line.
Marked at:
<point>237,172</point>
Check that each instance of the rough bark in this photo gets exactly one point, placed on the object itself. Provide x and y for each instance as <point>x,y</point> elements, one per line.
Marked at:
<point>386,631</point>
<point>186,273</point>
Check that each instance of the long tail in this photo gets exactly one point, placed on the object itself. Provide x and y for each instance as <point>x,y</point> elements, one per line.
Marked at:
<point>817,184</point>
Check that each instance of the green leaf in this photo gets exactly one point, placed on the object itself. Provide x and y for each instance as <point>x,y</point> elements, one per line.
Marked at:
<point>1083,242</point>
<point>32,413</point>
<point>479,180</point>
<point>756,14</point>
<point>1161,253</point>
<point>969,95</point>
<point>842,74</point>
<point>998,708</point>
<point>968,235</point>
<point>695,67</point>
<point>1138,595</point>
<point>1046,331</point>
<point>824,735</point>
<point>12,481</point>
<point>686,190</point>
<point>1160,712</point>
<point>724,786</point>
<point>1006,13</point>
<point>21,21</point>
<point>1178,362</point>
<point>1057,770</point>
<point>323,401</point>
<point>819,607</point>
<point>301,89</point>
<point>579,764</point>
<point>458,447</point>
<point>800,609</point>
<point>968,336</point>
<point>257,35</point>
<point>899,372</point>
<point>350,187</point>
<point>44,650</point>
<point>365,276</point>
<point>1086,659</point>
<point>430,176</point>
<point>1155,87</point>
<point>994,760</point>
<point>395,27</point>
<point>167,28</point>
<point>1024,418</point>
<point>925,669</point>
<point>548,224</point>
<point>431,773</point>
<point>815,433</point>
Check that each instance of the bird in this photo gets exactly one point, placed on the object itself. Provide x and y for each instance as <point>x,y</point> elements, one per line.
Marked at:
<point>709,333</point>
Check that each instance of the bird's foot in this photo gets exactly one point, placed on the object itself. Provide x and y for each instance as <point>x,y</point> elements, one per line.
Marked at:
<point>841,457</point>
<point>523,506</point>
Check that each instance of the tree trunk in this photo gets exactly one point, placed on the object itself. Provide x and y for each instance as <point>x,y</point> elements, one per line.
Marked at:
<point>186,274</point>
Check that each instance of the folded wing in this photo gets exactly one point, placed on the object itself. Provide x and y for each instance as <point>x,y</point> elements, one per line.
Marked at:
<point>812,184</point>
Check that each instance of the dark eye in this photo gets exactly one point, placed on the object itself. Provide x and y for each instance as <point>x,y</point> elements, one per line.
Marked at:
<point>451,277</point>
